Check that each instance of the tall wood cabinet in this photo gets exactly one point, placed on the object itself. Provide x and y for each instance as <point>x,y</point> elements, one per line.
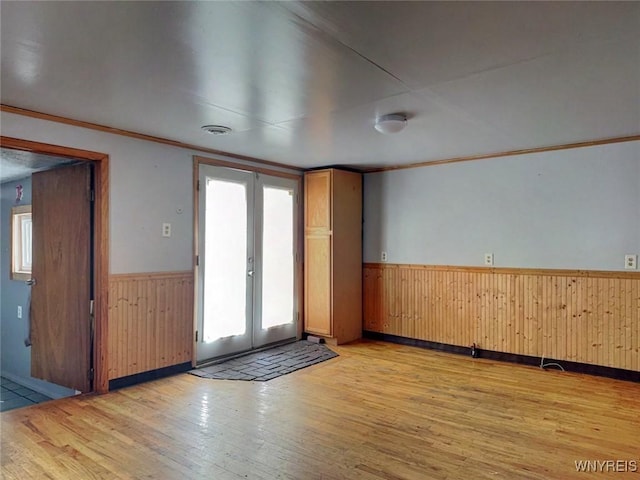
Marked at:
<point>333,255</point>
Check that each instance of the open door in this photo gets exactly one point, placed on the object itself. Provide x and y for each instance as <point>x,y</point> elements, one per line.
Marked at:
<point>61,276</point>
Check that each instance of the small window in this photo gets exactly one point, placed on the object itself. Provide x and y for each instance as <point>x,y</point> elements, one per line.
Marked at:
<point>21,242</point>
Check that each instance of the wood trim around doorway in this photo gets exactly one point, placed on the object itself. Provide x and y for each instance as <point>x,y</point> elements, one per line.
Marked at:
<point>101,244</point>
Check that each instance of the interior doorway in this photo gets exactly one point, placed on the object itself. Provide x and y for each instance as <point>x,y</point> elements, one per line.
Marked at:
<point>91,374</point>
<point>247,272</point>
<point>47,221</point>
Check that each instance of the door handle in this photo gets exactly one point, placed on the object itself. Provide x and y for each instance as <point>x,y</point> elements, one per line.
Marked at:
<point>250,273</point>
<point>31,281</point>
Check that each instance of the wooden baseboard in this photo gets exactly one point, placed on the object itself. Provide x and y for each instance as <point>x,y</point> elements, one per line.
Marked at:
<point>148,376</point>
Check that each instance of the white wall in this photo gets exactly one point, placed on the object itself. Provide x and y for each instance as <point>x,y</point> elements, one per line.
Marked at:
<point>573,209</point>
<point>149,183</point>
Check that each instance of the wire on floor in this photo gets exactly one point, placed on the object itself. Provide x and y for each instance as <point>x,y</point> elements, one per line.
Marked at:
<point>544,366</point>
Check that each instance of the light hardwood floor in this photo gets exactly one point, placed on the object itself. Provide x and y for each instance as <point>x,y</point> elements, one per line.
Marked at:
<point>379,411</point>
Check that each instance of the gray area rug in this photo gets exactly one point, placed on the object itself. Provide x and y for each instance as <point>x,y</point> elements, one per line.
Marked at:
<point>268,364</point>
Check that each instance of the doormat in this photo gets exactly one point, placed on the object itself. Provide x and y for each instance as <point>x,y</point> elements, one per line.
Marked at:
<point>268,364</point>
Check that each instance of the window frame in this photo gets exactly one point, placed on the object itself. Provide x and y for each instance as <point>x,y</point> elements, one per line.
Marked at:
<point>18,270</point>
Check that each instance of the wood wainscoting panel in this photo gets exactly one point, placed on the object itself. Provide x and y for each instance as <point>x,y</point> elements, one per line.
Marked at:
<point>579,316</point>
<point>150,321</point>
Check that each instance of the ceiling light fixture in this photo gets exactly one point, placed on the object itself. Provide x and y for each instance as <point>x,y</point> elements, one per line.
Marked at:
<point>216,129</point>
<point>391,123</point>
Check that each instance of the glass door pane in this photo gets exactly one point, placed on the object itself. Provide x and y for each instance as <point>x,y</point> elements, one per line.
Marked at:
<point>277,256</point>
<point>225,279</point>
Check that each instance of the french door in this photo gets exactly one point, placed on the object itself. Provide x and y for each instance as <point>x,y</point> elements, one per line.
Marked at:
<point>247,224</point>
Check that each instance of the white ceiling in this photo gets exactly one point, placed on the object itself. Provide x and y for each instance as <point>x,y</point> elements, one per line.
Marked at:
<point>301,83</point>
<point>15,164</point>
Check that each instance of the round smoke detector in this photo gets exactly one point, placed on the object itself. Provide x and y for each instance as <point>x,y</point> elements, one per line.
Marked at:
<point>216,129</point>
<point>391,123</point>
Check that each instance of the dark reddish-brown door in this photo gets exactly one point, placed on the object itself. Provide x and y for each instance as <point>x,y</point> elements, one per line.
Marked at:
<point>61,270</point>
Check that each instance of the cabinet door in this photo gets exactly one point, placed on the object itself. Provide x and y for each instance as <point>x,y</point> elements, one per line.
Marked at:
<point>318,200</point>
<point>318,284</point>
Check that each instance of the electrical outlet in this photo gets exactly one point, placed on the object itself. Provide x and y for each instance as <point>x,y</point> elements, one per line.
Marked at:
<point>19,311</point>
<point>631,262</point>
<point>383,257</point>
<point>166,229</point>
<point>488,258</point>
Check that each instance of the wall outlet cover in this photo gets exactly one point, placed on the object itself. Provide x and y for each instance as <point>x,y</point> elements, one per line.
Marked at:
<point>631,262</point>
<point>488,258</point>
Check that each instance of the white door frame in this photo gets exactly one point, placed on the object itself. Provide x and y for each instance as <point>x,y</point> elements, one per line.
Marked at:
<point>277,333</point>
<point>237,342</point>
<point>198,161</point>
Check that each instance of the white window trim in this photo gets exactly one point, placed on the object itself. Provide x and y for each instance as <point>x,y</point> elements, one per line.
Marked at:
<point>21,242</point>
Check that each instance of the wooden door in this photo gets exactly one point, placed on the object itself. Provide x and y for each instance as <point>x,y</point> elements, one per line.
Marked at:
<point>318,254</point>
<point>317,300</point>
<point>60,309</point>
<point>318,201</point>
